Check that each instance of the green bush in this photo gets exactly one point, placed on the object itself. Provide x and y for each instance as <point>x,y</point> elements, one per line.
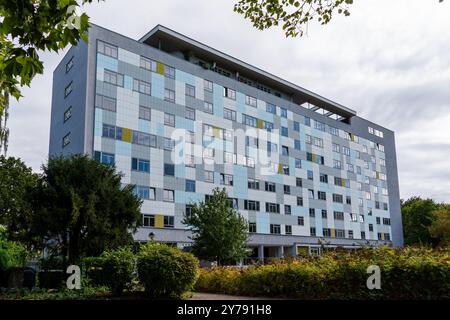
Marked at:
<point>118,268</point>
<point>12,254</point>
<point>166,271</point>
<point>113,269</point>
<point>92,271</point>
<point>405,274</point>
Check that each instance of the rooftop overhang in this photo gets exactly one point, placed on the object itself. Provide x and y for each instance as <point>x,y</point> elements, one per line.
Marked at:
<point>171,41</point>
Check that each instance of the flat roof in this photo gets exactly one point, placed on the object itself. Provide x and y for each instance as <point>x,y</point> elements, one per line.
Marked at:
<point>171,41</point>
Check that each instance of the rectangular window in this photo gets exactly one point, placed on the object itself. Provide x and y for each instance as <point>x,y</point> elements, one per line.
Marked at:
<point>145,193</point>
<point>169,119</point>
<point>319,126</point>
<point>283,112</point>
<point>334,131</point>
<point>252,227</point>
<point>297,144</point>
<point>207,85</point>
<point>69,65</point>
<point>296,126</point>
<point>142,87</point>
<point>311,193</point>
<point>271,108</point>
<point>144,139</point>
<point>270,186</point>
<point>169,144</point>
<point>168,221</point>
<point>251,205</point>
<point>189,113</point>
<point>169,169</point>
<point>68,89</point>
<point>190,91</point>
<point>308,121</point>
<point>301,221</point>
<point>67,114</point>
<point>284,150</point>
<point>190,186</point>
<point>105,103</point>
<point>340,233</point>
<point>287,189</point>
<point>338,215</point>
<point>353,217</point>
<point>348,200</point>
<point>324,214</point>
<point>251,101</point>
<point>288,229</point>
<point>229,114</point>
<point>272,207</point>
<point>168,195</point>
<point>208,107</point>
<point>310,175</point>
<point>107,49</point>
<point>104,158</point>
<point>312,232</point>
<point>337,164</point>
<point>338,198</point>
<point>253,184</point>
<point>250,121</point>
<point>209,176</point>
<point>226,179</point>
<point>169,95</point>
<point>298,163</point>
<point>275,229</point>
<point>323,178</point>
<point>229,93</point>
<point>300,201</point>
<point>140,165</point>
<point>113,78</point>
<point>169,72</point>
<point>148,64</point>
<point>386,221</point>
<point>145,113</point>
<point>284,131</point>
<point>148,220</point>
<point>370,227</point>
<point>66,140</point>
<point>321,195</point>
<point>336,148</point>
<point>326,232</point>
<point>299,182</point>
<point>363,235</point>
<point>287,209</point>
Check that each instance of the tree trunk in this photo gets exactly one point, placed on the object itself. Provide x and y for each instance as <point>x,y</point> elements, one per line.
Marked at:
<point>4,131</point>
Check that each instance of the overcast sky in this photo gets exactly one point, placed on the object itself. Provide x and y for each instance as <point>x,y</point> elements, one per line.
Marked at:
<point>389,61</point>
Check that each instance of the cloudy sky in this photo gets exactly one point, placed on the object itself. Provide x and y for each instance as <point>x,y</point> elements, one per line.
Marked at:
<point>389,61</point>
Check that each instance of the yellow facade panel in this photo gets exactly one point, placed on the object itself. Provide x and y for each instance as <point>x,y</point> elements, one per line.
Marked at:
<point>160,68</point>
<point>126,135</point>
<point>159,221</point>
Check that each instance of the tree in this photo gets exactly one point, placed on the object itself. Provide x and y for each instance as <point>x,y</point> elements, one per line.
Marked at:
<point>440,228</point>
<point>81,207</point>
<point>418,216</point>
<point>219,231</point>
<point>293,15</point>
<point>27,26</point>
<point>16,181</point>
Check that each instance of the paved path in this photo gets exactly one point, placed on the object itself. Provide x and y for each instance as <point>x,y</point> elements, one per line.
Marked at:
<point>214,296</point>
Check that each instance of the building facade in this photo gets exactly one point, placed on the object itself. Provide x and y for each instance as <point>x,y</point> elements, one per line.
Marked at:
<point>179,119</point>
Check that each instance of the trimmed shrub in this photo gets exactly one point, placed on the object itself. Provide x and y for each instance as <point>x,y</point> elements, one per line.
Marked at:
<point>166,271</point>
<point>405,274</point>
<point>113,269</point>
<point>118,268</point>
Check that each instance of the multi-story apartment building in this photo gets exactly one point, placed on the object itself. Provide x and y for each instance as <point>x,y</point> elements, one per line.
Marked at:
<point>179,119</point>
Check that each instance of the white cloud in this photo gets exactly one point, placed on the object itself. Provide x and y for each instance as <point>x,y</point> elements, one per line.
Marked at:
<point>389,61</point>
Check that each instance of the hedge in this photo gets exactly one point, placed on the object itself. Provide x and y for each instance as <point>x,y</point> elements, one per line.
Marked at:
<point>166,271</point>
<point>405,274</point>
<point>113,269</point>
